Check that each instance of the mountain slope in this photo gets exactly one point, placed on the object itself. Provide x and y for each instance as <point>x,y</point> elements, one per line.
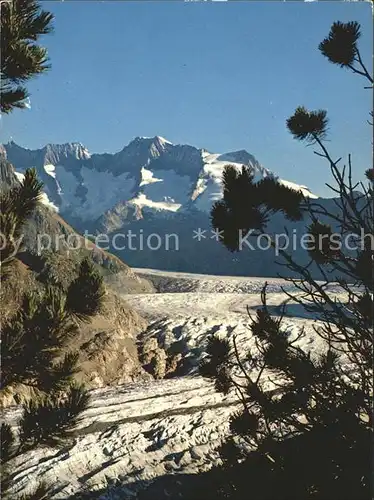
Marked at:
<point>107,344</point>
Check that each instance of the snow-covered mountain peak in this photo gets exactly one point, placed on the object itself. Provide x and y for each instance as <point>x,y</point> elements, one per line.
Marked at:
<point>157,139</point>
<point>159,145</point>
<point>150,172</point>
<point>155,146</point>
<point>140,152</point>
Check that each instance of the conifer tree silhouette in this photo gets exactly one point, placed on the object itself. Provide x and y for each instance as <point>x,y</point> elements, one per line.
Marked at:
<point>22,24</point>
<point>310,435</point>
<point>33,340</point>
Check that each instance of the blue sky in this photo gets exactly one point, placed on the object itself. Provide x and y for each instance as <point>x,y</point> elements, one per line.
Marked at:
<point>223,76</point>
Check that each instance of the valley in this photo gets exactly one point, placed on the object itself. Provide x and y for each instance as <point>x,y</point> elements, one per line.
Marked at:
<point>133,433</point>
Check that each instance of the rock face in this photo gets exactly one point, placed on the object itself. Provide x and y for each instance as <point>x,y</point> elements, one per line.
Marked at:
<point>107,346</point>
<point>153,358</point>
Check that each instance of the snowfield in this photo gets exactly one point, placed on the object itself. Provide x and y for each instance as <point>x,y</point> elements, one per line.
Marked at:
<point>132,434</point>
<point>192,307</point>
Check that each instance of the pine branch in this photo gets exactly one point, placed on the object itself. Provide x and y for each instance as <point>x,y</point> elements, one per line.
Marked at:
<point>51,419</point>
<point>332,391</point>
<point>22,24</point>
